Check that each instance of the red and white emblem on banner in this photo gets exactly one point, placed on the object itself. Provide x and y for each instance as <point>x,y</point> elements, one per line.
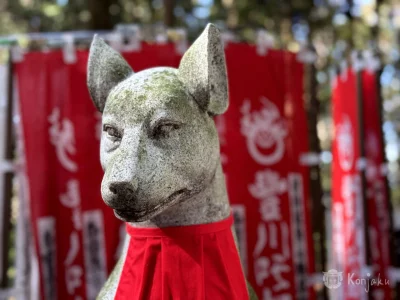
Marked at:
<point>263,170</point>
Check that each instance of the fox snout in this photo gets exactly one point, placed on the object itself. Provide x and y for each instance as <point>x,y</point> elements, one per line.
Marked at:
<point>121,194</point>
<point>122,189</point>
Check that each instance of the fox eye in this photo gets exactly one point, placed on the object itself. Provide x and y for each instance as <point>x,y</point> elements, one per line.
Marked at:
<point>112,132</point>
<point>163,129</point>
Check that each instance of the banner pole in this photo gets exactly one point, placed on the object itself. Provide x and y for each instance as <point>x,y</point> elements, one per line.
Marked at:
<point>361,138</point>
<point>8,177</point>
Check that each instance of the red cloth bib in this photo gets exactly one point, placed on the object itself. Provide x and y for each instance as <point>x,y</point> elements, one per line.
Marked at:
<point>182,263</point>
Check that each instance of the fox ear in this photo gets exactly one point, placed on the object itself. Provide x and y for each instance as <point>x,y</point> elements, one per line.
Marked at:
<point>202,70</point>
<point>106,68</point>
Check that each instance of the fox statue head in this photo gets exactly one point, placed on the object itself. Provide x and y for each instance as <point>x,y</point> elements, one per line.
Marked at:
<point>159,145</point>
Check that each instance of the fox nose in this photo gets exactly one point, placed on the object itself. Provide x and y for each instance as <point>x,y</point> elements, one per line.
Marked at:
<point>122,189</point>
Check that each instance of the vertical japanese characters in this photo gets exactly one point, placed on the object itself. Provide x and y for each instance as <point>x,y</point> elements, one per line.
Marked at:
<point>61,132</point>
<point>265,131</point>
<point>348,246</point>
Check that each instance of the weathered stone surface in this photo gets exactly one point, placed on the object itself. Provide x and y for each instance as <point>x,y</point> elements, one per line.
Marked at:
<point>106,68</point>
<point>203,71</point>
<point>159,147</point>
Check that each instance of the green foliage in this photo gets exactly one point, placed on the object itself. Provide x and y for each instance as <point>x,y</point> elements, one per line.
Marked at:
<point>275,15</point>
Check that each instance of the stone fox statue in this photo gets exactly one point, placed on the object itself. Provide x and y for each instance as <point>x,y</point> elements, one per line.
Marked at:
<point>163,175</point>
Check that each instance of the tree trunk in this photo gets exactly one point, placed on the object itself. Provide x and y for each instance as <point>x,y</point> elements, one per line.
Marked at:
<point>316,193</point>
<point>169,17</point>
<point>101,18</point>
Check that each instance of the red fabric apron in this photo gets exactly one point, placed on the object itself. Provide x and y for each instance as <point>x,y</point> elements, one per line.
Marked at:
<point>182,263</point>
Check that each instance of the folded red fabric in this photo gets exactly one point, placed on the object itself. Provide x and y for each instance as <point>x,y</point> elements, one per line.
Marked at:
<point>186,262</point>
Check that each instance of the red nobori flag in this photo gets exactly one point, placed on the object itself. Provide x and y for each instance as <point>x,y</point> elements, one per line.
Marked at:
<point>348,233</point>
<point>262,136</point>
<point>77,237</point>
<point>377,197</point>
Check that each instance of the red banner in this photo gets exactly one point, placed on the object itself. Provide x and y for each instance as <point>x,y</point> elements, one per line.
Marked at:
<point>77,236</point>
<point>377,197</point>
<point>262,137</point>
<point>347,201</point>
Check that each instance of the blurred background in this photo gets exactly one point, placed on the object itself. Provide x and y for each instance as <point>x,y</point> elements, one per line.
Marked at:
<point>333,28</point>
<point>328,31</point>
